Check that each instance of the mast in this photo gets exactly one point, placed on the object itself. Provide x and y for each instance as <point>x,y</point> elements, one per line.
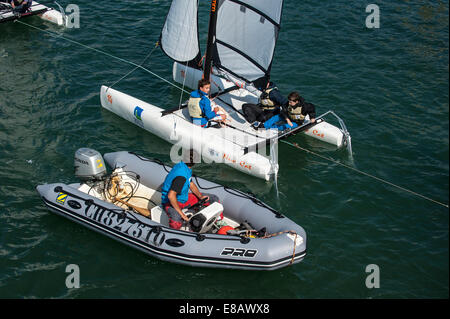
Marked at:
<point>211,39</point>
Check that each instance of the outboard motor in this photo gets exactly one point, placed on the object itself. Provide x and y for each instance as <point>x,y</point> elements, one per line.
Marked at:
<point>89,165</point>
<point>204,220</point>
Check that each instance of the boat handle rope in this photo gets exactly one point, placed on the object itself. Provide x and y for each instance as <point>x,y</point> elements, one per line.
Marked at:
<point>286,232</point>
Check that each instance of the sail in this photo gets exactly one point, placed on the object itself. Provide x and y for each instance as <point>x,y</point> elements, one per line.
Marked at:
<point>246,32</point>
<point>179,36</point>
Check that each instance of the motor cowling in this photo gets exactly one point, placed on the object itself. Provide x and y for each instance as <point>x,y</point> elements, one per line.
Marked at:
<point>204,220</point>
<point>89,164</point>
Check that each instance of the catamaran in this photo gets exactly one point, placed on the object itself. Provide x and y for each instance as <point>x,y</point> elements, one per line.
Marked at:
<point>7,13</point>
<point>241,42</point>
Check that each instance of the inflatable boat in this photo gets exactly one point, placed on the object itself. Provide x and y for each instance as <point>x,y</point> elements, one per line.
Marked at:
<point>239,231</point>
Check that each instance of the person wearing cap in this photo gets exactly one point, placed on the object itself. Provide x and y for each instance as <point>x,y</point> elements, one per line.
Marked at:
<point>175,193</point>
<point>272,106</point>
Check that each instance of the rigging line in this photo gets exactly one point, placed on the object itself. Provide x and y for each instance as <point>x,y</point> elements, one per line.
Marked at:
<point>100,51</point>
<point>366,174</point>
<point>123,77</point>
<point>182,90</point>
<point>186,66</point>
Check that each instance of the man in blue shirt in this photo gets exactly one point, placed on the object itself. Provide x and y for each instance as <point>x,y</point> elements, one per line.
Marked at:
<point>199,105</point>
<point>175,192</point>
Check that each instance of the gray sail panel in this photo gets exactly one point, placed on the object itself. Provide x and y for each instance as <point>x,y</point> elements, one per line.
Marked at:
<point>270,8</point>
<point>179,36</point>
<point>237,64</point>
<point>246,35</point>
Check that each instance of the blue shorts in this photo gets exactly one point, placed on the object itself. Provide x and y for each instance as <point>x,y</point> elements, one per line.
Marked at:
<point>279,123</point>
<point>200,121</point>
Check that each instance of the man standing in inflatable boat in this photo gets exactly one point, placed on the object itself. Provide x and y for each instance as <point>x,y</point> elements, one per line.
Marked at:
<point>176,195</point>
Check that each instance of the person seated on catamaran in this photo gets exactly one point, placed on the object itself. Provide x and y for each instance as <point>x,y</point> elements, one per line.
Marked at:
<point>199,106</point>
<point>296,112</point>
<point>271,103</point>
<point>20,6</point>
<point>298,108</point>
<point>175,193</point>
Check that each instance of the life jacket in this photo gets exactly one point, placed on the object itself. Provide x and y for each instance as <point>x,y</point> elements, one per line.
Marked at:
<point>194,108</point>
<point>295,113</point>
<point>180,169</point>
<point>264,100</point>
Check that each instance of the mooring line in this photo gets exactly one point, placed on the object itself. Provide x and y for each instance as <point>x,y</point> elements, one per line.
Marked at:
<point>102,52</point>
<point>142,63</point>
<point>366,174</point>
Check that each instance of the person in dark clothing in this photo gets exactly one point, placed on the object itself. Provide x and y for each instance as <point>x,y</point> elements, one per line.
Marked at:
<point>296,112</point>
<point>271,103</point>
<point>298,108</point>
<point>20,6</point>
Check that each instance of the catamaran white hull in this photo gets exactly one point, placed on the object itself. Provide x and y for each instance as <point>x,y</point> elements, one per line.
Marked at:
<point>326,132</point>
<point>214,145</point>
<point>323,131</point>
<point>53,16</point>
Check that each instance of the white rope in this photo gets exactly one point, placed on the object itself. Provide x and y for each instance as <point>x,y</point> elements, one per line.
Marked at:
<point>142,63</point>
<point>102,52</point>
<point>366,174</point>
<point>182,89</point>
<point>173,135</point>
<point>174,132</point>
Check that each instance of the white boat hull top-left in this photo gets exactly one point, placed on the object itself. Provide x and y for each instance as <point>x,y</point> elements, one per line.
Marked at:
<point>44,12</point>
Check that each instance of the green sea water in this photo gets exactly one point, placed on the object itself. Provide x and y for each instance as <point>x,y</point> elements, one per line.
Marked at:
<point>390,85</point>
